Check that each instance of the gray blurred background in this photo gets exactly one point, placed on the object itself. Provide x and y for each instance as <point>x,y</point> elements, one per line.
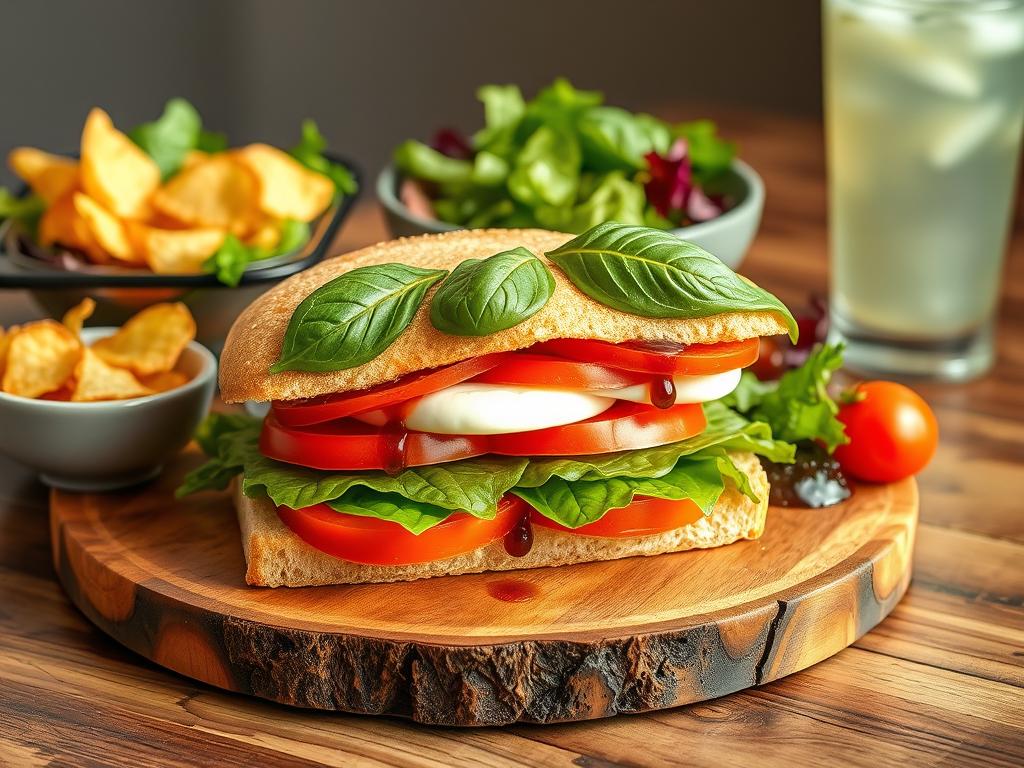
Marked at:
<point>375,73</point>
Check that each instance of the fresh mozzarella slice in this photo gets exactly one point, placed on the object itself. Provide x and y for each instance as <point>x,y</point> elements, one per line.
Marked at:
<point>689,389</point>
<point>495,409</point>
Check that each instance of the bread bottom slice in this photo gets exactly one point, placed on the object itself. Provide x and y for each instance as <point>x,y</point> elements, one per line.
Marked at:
<point>276,557</point>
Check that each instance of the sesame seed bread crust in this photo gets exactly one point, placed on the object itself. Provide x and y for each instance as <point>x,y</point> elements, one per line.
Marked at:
<point>255,340</point>
<point>276,557</point>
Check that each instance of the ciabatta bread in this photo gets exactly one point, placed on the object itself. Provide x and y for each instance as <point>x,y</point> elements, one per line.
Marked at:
<point>255,340</point>
<point>276,557</point>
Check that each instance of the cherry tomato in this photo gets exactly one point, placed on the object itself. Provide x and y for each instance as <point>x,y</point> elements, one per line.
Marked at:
<point>351,445</point>
<point>658,357</point>
<point>374,541</point>
<point>300,413</point>
<point>892,431</point>
<point>645,516</point>
<point>525,369</point>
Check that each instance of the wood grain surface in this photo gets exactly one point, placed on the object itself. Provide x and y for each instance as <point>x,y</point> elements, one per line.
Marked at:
<point>166,578</point>
<point>940,682</point>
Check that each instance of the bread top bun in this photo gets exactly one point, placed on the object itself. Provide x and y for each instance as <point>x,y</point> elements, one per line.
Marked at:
<point>254,342</point>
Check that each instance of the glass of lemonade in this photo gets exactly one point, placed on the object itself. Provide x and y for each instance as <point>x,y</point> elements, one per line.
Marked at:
<point>924,109</point>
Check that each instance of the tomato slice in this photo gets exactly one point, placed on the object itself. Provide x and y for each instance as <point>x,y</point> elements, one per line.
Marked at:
<point>645,516</point>
<point>347,444</point>
<point>526,369</point>
<point>316,410</point>
<point>658,357</point>
<point>373,541</point>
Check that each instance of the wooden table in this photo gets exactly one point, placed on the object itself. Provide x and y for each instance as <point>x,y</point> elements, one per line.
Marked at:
<point>940,682</point>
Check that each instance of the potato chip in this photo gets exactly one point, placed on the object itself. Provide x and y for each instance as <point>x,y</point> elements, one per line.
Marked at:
<point>151,341</point>
<point>193,157</point>
<point>41,358</point>
<point>75,317</point>
<point>5,343</point>
<point>115,172</point>
<point>180,251</point>
<point>106,229</point>
<point>217,192</point>
<point>61,223</point>
<point>50,176</point>
<point>287,189</point>
<point>96,380</point>
<point>267,235</point>
<point>161,382</point>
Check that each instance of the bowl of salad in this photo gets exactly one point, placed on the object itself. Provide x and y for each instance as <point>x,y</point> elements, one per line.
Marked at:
<point>566,161</point>
<point>168,211</point>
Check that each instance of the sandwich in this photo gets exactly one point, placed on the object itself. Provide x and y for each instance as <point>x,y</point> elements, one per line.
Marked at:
<point>489,400</point>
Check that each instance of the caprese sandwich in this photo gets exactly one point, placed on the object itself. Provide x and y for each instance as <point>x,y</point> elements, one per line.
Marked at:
<point>493,400</point>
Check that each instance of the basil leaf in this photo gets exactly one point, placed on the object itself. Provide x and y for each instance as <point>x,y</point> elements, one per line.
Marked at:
<point>484,296</point>
<point>354,317</point>
<point>576,503</point>
<point>415,516</point>
<point>472,485</point>
<point>653,273</point>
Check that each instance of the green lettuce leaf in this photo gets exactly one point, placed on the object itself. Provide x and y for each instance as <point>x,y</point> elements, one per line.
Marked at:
<point>310,152</point>
<point>416,159</point>
<point>471,485</point>
<point>614,139</point>
<point>414,516</point>
<point>576,503</point>
<point>547,171</point>
<point>799,406</point>
<point>571,490</point>
<point>726,429</point>
<point>611,197</point>
<point>230,441</point>
<point>711,155</point>
<point>504,107</point>
<point>228,263</point>
<point>172,135</point>
<point>25,210</point>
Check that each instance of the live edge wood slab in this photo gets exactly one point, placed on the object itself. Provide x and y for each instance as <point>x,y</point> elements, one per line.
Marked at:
<point>164,578</point>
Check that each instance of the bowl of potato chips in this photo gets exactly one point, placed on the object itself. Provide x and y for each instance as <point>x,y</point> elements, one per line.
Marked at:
<point>168,211</point>
<point>102,407</point>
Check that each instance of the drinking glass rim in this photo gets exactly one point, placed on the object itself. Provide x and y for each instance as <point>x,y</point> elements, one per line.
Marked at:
<point>973,6</point>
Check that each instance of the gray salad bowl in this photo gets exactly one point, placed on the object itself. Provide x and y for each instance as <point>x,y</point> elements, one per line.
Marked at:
<point>111,444</point>
<point>728,237</point>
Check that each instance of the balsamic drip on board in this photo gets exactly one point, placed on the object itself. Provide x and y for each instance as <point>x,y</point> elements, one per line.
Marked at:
<point>512,590</point>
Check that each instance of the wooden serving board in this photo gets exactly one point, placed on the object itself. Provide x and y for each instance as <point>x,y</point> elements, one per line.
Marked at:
<point>164,578</point>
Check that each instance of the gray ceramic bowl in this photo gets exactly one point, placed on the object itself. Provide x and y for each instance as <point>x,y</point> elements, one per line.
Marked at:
<point>105,445</point>
<point>728,237</point>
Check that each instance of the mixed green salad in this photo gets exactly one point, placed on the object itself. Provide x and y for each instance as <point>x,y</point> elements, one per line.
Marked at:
<point>566,161</point>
